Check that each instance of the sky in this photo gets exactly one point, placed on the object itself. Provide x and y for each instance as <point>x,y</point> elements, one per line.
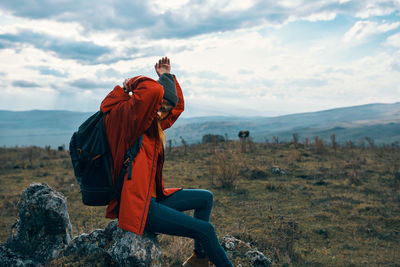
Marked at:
<point>231,57</point>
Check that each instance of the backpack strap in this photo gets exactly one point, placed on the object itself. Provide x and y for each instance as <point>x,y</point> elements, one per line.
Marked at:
<point>129,156</point>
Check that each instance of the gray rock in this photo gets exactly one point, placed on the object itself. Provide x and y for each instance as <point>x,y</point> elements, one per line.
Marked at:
<point>10,259</point>
<point>43,227</point>
<point>277,170</point>
<point>129,248</point>
<point>112,246</point>
<point>258,259</point>
<point>237,248</point>
<point>42,236</point>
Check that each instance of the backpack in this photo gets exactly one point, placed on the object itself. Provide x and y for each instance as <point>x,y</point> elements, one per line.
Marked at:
<point>93,164</point>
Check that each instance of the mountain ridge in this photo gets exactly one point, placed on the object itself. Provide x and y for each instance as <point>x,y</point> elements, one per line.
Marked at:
<point>380,121</point>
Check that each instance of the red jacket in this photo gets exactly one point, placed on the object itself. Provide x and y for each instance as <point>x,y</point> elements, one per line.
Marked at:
<point>128,118</point>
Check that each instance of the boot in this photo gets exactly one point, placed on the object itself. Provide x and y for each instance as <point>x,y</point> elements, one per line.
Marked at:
<point>193,261</point>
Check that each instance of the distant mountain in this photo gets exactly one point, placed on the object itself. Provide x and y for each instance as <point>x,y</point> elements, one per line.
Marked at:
<point>378,121</point>
<point>39,127</point>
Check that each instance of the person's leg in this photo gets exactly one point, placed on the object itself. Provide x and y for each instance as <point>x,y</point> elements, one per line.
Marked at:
<point>166,220</point>
<point>198,199</point>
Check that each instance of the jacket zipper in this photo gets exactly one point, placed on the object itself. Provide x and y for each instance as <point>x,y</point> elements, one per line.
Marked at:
<point>148,191</point>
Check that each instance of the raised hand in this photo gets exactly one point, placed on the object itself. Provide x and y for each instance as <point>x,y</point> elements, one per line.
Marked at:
<point>163,66</point>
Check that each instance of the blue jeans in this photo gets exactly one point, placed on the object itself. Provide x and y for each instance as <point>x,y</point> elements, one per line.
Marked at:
<point>166,217</point>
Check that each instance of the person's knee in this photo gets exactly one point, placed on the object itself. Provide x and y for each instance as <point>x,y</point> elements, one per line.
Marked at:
<point>209,197</point>
<point>208,229</point>
<point>205,232</point>
<point>204,228</point>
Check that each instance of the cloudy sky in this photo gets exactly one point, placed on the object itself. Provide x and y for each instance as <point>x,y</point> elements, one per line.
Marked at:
<point>232,57</point>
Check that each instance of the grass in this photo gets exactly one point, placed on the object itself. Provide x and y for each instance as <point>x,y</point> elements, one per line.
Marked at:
<point>334,207</point>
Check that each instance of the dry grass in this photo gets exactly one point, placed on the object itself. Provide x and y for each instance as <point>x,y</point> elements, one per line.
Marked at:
<point>225,166</point>
<point>335,207</point>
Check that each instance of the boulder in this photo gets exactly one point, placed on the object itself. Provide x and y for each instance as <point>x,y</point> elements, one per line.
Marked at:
<point>43,227</point>
<point>42,236</point>
<point>111,246</point>
<point>10,259</point>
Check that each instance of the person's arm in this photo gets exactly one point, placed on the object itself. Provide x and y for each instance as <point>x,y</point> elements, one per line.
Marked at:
<point>161,67</point>
<point>134,116</point>
<point>175,112</point>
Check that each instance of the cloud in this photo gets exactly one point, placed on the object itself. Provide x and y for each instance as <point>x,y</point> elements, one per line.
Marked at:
<point>308,82</point>
<point>191,18</point>
<point>3,45</point>
<point>82,51</point>
<point>393,40</point>
<point>100,15</point>
<point>210,75</point>
<point>372,8</point>
<point>90,84</point>
<point>28,99</point>
<point>396,65</point>
<point>273,56</point>
<point>44,70</point>
<point>362,30</point>
<point>41,9</point>
<point>245,71</point>
<point>24,84</point>
<point>109,72</point>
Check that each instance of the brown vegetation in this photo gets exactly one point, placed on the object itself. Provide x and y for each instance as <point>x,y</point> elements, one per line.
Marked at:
<point>336,206</point>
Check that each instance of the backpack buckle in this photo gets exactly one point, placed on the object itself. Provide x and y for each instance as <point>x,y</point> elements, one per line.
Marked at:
<point>126,162</point>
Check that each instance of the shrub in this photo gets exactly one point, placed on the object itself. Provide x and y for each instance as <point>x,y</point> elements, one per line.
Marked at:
<point>226,167</point>
<point>307,142</point>
<point>333,141</point>
<point>370,141</point>
<point>319,145</point>
<point>295,139</point>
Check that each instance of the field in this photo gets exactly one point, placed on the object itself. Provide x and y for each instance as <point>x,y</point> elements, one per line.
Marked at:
<point>331,205</point>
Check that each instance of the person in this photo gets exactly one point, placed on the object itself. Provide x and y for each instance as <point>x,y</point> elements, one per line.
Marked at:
<point>146,107</point>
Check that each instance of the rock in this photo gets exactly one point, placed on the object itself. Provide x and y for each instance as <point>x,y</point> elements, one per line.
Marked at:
<point>277,170</point>
<point>10,259</point>
<point>42,236</point>
<point>43,227</point>
<point>112,246</point>
<point>129,249</point>
<point>237,248</point>
<point>213,138</point>
<point>257,259</point>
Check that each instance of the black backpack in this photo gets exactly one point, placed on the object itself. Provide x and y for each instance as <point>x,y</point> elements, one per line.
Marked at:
<point>93,165</point>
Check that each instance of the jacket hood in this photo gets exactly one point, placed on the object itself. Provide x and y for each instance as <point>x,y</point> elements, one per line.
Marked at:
<point>118,95</point>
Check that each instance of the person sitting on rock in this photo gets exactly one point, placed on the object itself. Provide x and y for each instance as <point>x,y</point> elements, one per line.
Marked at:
<point>146,107</point>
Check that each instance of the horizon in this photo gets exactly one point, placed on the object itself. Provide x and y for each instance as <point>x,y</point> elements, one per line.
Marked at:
<point>232,58</point>
<point>243,116</point>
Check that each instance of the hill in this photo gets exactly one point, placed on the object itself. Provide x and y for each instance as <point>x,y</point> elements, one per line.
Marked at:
<point>381,122</point>
<point>378,121</point>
